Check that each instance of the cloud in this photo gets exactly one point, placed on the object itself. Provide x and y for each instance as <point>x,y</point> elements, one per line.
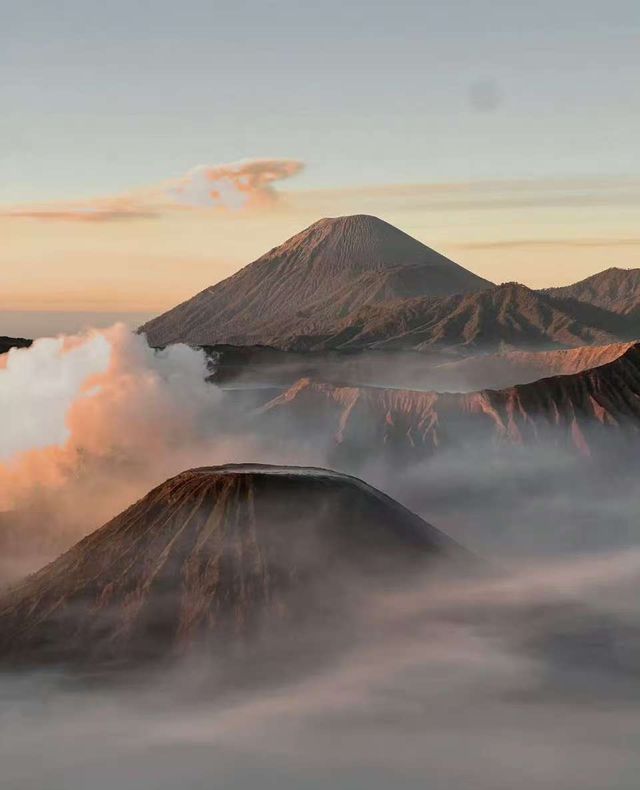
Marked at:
<point>251,184</point>
<point>515,243</point>
<point>232,186</point>
<point>107,209</point>
<point>92,414</point>
<point>235,185</point>
<point>88,213</point>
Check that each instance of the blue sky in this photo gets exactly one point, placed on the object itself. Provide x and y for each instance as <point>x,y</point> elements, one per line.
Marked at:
<point>99,97</point>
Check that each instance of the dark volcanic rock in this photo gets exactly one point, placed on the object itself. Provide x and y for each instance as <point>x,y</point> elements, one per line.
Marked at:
<point>7,343</point>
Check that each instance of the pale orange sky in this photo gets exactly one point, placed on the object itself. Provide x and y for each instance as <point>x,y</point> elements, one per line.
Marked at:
<point>140,252</point>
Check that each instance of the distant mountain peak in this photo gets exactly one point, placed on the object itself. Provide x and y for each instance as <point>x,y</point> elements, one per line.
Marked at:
<point>614,289</point>
<point>303,286</point>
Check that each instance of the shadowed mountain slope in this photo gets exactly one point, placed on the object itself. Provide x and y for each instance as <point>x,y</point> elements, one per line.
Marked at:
<point>617,290</point>
<point>217,552</point>
<point>506,316</point>
<point>314,279</point>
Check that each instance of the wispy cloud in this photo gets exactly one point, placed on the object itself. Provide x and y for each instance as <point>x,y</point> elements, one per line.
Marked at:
<point>517,243</point>
<point>101,210</point>
<point>234,186</point>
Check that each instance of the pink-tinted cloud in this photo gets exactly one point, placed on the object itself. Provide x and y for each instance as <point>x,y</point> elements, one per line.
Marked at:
<point>235,185</point>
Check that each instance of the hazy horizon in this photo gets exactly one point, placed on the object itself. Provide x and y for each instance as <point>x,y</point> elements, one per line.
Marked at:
<point>94,301</point>
<point>500,134</point>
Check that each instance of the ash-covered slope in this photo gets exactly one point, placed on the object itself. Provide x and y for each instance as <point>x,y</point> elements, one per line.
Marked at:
<point>588,411</point>
<point>617,290</point>
<point>216,552</point>
<point>314,279</point>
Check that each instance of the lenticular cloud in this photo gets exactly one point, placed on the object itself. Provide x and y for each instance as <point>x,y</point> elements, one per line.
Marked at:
<point>235,185</point>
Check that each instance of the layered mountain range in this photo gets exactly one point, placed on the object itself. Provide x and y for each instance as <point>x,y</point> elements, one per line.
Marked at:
<point>215,555</point>
<point>587,411</point>
<point>358,283</point>
<point>504,317</point>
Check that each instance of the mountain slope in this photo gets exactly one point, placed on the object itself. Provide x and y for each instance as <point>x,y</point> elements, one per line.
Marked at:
<point>617,290</point>
<point>505,316</point>
<point>584,411</point>
<point>311,281</point>
<point>215,552</point>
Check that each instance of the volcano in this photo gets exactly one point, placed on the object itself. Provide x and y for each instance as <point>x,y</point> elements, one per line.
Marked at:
<point>220,554</point>
<point>303,287</point>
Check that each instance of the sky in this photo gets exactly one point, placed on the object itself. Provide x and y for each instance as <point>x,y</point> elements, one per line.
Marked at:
<point>502,133</point>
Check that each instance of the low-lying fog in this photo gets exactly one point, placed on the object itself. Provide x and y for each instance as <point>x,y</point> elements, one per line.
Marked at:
<point>526,678</point>
<point>424,371</point>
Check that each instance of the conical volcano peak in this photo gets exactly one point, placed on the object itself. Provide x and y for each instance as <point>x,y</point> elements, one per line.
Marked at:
<point>318,277</point>
<point>215,554</point>
<point>358,243</point>
<point>367,227</point>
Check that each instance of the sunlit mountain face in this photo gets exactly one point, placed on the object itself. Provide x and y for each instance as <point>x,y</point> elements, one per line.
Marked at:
<point>319,396</point>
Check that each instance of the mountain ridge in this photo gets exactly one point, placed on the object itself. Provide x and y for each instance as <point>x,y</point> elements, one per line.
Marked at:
<point>578,410</point>
<point>614,289</point>
<point>509,315</point>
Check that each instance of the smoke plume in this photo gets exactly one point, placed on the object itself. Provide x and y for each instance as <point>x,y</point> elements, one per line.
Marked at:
<point>91,423</point>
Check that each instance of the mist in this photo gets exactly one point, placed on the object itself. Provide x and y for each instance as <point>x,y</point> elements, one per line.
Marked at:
<point>100,418</point>
<point>523,675</point>
<point>523,679</point>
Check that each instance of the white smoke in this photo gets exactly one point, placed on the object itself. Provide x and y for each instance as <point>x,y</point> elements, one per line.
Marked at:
<point>103,394</point>
<point>38,386</point>
<point>91,423</point>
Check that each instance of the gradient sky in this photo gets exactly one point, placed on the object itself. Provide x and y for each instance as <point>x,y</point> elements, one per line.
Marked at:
<point>102,98</point>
